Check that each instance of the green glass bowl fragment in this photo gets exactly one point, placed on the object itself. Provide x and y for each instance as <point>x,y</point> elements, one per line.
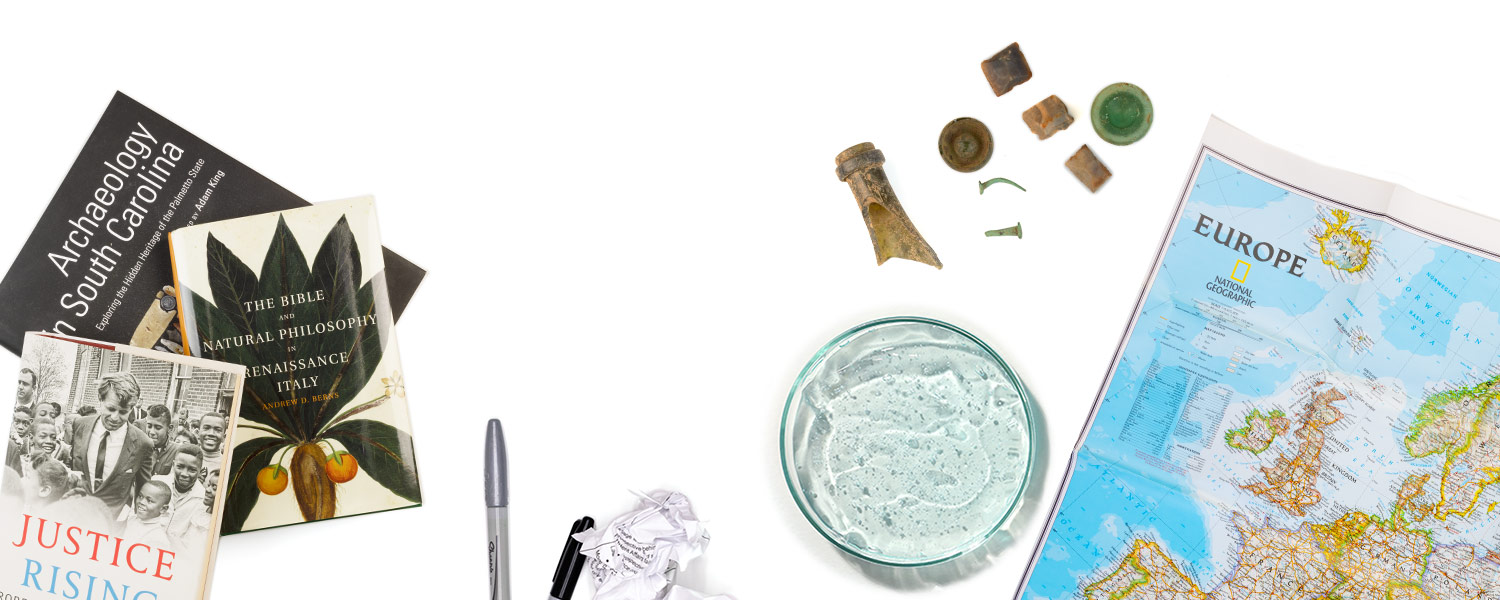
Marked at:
<point>1121,114</point>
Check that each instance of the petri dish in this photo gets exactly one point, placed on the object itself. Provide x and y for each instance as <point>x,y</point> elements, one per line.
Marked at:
<point>907,441</point>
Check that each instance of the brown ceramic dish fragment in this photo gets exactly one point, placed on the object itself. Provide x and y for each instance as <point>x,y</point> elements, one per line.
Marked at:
<point>1006,69</point>
<point>1047,117</point>
<point>891,231</point>
<point>965,144</point>
<point>1087,168</point>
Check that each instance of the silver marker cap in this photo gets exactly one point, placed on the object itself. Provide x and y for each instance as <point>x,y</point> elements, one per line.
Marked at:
<point>496,489</point>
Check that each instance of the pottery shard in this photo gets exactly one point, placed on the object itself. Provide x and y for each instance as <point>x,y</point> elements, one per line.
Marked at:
<point>1006,69</point>
<point>1087,168</point>
<point>1047,117</point>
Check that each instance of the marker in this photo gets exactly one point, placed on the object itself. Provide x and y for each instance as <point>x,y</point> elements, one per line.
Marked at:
<point>497,499</point>
<point>570,564</point>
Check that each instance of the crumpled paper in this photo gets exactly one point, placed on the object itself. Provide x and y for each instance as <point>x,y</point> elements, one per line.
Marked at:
<point>637,555</point>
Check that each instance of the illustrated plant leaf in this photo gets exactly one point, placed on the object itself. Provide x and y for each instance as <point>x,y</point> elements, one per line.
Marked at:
<point>285,265</point>
<point>213,324</point>
<point>239,483</point>
<point>336,273</point>
<point>367,346</point>
<point>283,275</point>
<point>383,452</point>
<point>359,409</point>
<point>336,270</point>
<point>234,286</point>
<point>231,283</point>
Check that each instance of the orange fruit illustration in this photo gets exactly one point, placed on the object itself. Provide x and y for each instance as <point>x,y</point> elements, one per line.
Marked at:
<point>342,467</point>
<point>272,480</point>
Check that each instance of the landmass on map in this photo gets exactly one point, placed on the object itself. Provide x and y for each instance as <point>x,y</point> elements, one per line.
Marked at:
<point>1359,555</point>
<point>1344,245</point>
<point>1259,432</point>
<point>1146,572</point>
<point>1359,341</point>
<point>1462,427</point>
<point>1291,482</point>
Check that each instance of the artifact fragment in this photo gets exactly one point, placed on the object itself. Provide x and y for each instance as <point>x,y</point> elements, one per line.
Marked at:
<point>1087,168</point>
<point>160,316</point>
<point>891,231</point>
<point>1121,114</point>
<point>985,184</point>
<point>1006,69</point>
<point>965,144</point>
<point>1008,231</point>
<point>1047,117</point>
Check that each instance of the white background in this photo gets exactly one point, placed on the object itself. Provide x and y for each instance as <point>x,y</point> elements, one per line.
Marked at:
<point>636,238</point>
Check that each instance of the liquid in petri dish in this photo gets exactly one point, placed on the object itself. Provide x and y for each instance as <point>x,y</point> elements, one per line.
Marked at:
<point>912,443</point>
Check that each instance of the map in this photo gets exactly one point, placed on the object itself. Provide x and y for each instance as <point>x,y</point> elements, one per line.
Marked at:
<point>1307,406</point>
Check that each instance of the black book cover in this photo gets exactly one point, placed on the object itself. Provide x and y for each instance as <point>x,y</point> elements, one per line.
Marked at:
<point>97,264</point>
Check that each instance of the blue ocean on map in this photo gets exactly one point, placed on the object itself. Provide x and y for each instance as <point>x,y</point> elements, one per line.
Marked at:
<point>1092,525</point>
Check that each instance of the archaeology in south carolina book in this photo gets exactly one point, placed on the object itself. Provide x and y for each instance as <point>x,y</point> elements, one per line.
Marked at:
<point>324,430</point>
<point>103,499</point>
<point>95,265</point>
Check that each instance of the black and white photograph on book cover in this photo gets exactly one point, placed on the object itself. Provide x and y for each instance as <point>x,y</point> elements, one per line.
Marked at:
<point>100,498</point>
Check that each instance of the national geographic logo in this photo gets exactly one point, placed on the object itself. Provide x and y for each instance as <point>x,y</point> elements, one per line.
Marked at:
<point>1234,288</point>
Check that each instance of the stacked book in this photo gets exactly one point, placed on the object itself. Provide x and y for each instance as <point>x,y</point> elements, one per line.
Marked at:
<point>196,342</point>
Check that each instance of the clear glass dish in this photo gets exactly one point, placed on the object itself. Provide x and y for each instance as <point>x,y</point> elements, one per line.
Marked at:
<point>907,441</point>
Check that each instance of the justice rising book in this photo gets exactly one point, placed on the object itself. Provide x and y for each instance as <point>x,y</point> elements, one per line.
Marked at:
<point>100,501</point>
<point>95,264</point>
<point>325,411</point>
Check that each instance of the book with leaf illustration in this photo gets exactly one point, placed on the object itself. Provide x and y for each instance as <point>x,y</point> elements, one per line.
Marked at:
<point>299,297</point>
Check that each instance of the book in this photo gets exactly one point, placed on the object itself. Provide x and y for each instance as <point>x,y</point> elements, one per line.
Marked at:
<point>101,500</point>
<point>325,411</point>
<point>95,264</point>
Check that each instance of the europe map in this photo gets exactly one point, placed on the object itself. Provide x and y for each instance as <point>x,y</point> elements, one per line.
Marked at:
<point>1307,407</point>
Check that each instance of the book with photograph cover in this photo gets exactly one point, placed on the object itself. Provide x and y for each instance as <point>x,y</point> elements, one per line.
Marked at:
<point>299,298</point>
<point>105,496</point>
<point>96,266</point>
